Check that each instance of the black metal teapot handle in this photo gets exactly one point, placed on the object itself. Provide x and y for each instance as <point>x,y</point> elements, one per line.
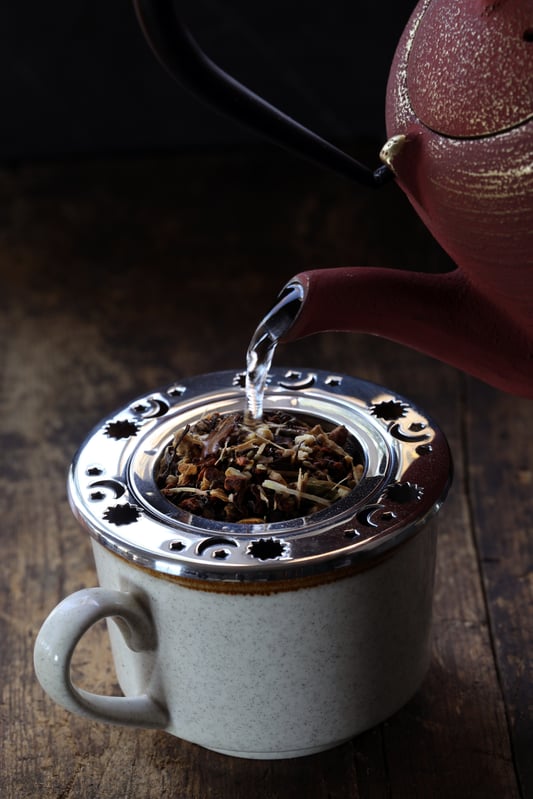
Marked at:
<point>178,52</point>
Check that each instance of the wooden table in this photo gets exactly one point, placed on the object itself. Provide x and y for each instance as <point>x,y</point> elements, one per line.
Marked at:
<point>121,276</point>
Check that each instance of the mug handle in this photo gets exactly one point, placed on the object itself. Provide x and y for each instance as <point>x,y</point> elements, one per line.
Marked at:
<point>58,638</point>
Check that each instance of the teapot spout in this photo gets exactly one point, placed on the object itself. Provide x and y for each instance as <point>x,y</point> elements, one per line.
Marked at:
<point>441,315</point>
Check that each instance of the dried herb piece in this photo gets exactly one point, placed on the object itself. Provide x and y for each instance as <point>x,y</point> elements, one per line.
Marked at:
<point>282,468</point>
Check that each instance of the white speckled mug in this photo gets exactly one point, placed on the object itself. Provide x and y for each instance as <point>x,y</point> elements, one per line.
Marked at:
<point>259,641</point>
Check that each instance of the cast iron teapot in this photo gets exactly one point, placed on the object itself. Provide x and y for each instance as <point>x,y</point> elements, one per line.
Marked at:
<point>459,115</point>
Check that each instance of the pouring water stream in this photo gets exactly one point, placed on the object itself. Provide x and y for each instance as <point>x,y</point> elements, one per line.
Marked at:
<point>263,345</point>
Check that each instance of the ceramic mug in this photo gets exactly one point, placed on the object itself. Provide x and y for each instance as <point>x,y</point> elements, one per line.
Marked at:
<point>258,641</point>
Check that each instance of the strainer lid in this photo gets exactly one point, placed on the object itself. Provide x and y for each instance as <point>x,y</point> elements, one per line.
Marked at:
<point>407,471</point>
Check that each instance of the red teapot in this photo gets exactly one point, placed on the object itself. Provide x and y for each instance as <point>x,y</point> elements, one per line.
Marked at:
<point>459,114</point>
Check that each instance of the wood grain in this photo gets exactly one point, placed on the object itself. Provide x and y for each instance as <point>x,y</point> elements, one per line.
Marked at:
<point>121,276</point>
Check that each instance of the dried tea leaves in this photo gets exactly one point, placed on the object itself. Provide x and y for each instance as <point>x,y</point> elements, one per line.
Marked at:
<point>281,468</point>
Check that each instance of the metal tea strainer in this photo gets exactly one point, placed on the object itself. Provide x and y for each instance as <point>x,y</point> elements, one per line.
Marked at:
<point>407,472</point>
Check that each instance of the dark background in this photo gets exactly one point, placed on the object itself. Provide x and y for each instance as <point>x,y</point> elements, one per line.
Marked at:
<point>77,78</point>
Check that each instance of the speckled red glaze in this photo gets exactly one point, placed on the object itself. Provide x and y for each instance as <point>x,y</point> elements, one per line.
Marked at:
<point>461,93</point>
<point>467,166</point>
<point>446,56</point>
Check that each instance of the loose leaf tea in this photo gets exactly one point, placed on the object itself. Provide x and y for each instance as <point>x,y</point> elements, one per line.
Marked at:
<point>282,468</point>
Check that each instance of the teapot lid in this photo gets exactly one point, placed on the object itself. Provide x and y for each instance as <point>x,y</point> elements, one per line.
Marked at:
<point>407,470</point>
<point>454,84</point>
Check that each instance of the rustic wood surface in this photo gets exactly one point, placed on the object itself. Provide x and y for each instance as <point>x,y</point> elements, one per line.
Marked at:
<point>120,276</point>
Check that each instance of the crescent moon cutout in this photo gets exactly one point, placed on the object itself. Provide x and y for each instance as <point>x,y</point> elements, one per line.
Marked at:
<point>113,485</point>
<point>401,435</point>
<point>365,515</point>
